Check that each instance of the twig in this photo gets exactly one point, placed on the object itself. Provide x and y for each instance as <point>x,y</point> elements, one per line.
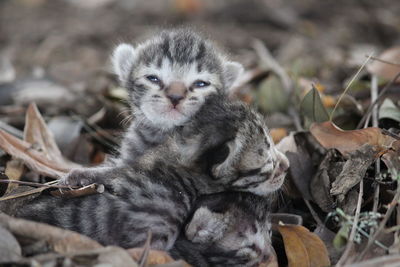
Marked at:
<point>350,243</point>
<point>79,192</point>
<point>385,61</point>
<point>392,206</point>
<point>378,100</point>
<point>27,193</point>
<point>348,86</point>
<point>313,213</point>
<point>36,184</point>
<point>374,96</point>
<point>146,250</point>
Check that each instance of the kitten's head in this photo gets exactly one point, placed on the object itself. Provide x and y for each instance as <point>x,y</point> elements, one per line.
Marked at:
<point>253,163</point>
<point>231,232</point>
<point>171,75</point>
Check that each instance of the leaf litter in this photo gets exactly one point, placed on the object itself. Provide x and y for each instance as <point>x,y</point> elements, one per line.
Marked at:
<point>330,156</point>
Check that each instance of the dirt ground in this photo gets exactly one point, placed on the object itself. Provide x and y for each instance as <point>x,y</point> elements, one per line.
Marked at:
<point>56,53</point>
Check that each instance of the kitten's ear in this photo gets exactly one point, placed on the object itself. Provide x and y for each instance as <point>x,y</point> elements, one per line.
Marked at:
<point>122,60</point>
<point>232,71</point>
<point>206,226</point>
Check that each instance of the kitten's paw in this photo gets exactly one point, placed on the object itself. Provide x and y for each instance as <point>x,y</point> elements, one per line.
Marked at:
<point>78,177</point>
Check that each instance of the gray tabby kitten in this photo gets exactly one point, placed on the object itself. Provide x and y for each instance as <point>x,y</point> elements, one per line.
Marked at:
<point>227,229</point>
<point>169,78</point>
<point>163,197</point>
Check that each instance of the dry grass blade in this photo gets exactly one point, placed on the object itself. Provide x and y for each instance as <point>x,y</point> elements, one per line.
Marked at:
<point>349,84</point>
<point>27,193</point>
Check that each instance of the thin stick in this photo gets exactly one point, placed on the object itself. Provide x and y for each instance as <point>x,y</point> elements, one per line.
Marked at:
<point>348,86</point>
<point>350,243</point>
<point>37,184</point>
<point>385,61</point>
<point>374,97</point>
<point>378,100</point>
<point>392,206</point>
<point>313,213</point>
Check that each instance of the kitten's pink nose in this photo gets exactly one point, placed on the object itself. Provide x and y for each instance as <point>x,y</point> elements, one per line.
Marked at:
<point>175,92</point>
<point>175,99</point>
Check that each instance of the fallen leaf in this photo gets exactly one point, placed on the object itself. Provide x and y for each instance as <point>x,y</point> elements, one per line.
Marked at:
<point>353,171</point>
<point>331,136</point>
<point>302,247</point>
<point>320,184</point>
<point>312,107</point>
<point>33,159</point>
<point>9,247</point>
<point>14,170</point>
<point>385,70</point>
<point>388,110</point>
<point>271,95</point>
<point>392,160</point>
<point>37,133</point>
<point>154,256</point>
<point>60,240</point>
<point>278,134</point>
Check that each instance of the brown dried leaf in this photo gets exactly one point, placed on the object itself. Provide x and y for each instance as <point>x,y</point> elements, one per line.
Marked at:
<point>35,160</point>
<point>278,134</point>
<point>37,133</point>
<point>154,256</point>
<point>61,241</point>
<point>302,247</point>
<point>14,170</point>
<point>385,70</point>
<point>330,136</point>
<point>9,246</point>
<point>392,160</point>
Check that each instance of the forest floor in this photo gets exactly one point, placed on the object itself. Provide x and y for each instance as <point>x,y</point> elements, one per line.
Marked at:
<point>324,73</point>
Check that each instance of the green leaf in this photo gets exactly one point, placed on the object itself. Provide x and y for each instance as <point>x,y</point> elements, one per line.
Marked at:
<point>341,237</point>
<point>389,110</point>
<point>312,108</point>
<point>271,97</point>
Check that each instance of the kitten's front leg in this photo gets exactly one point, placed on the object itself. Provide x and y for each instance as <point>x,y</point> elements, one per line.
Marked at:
<point>87,176</point>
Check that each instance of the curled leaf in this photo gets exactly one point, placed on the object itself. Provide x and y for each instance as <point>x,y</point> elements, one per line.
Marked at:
<point>387,70</point>
<point>331,136</point>
<point>302,247</point>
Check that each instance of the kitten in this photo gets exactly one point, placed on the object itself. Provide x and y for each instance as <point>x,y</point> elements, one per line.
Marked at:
<point>169,78</point>
<point>226,229</point>
<point>162,197</point>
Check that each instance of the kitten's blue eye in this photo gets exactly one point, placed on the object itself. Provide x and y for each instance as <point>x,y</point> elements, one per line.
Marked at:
<point>153,78</point>
<point>200,84</point>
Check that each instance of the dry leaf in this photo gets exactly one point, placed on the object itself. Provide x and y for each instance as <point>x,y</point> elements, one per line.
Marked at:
<point>10,249</point>
<point>302,247</point>
<point>37,133</point>
<point>385,70</point>
<point>330,136</point>
<point>392,160</point>
<point>14,170</point>
<point>60,240</point>
<point>154,256</point>
<point>278,134</point>
<point>32,158</point>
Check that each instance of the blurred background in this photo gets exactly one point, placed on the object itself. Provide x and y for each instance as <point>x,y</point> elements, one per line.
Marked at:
<point>56,53</point>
